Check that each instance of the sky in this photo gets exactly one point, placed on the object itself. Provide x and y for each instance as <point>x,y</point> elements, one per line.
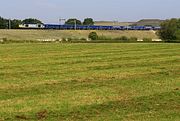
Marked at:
<point>49,11</point>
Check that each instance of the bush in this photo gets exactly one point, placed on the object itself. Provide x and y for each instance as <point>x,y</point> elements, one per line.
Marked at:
<point>169,29</point>
<point>124,38</point>
<point>104,38</point>
<point>133,38</point>
<point>63,39</point>
<point>83,39</point>
<point>69,39</point>
<point>93,36</point>
<point>88,21</point>
<point>121,38</point>
<point>147,39</point>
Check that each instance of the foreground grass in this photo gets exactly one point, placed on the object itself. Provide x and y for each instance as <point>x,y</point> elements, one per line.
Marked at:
<point>78,34</point>
<point>57,82</point>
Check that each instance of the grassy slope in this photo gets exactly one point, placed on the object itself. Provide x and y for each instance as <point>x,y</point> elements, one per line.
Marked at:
<point>90,82</point>
<point>111,23</point>
<point>58,34</point>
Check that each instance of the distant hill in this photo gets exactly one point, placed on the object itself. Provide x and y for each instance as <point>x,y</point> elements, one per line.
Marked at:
<point>148,22</point>
<point>143,22</point>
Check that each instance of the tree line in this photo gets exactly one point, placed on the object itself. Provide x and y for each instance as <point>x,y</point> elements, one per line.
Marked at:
<point>14,24</point>
<point>87,21</point>
<point>6,23</point>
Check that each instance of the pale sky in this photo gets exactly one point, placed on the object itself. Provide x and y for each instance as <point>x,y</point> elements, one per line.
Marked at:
<point>120,10</point>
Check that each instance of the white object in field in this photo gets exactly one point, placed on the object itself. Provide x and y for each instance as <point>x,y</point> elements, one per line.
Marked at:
<point>46,40</point>
<point>140,40</point>
<point>156,40</point>
<point>31,26</point>
<point>153,31</point>
<point>88,39</point>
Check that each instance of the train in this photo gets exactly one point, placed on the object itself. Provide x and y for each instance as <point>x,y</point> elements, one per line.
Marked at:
<point>86,27</point>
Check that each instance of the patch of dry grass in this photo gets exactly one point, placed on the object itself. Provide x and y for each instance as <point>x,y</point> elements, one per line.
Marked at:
<point>78,34</point>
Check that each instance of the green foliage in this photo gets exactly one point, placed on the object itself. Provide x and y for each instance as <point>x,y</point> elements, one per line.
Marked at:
<point>3,23</point>
<point>123,38</point>
<point>177,34</point>
<point>73,21</point>
<point>88,21</point>
<point>102,37</point>
<point>93,36</point>
<point>31,21</point>
<point>169,29</point>
<point>69,39</point>
<point>133,38</point>
<point>15,24</point>
<point>83,39</point>
<point>147,39</point>
<point>63,39</point>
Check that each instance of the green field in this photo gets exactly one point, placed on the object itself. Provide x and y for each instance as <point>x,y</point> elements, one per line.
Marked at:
<point>78,34</point>
<point>95,82</point>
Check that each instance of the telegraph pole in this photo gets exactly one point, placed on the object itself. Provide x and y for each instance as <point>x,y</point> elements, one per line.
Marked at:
<point>61,19</point>
<point>75,24</point>
<point>9,24</point>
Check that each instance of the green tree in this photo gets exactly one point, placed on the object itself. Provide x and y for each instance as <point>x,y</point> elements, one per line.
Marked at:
<point>15,23</point>
<point>31,21</point>
<point>3,23</point>
<point>93,36</point>
<point>73,21</point>
<point>169,29</point>
<point>178,23</point>
<point>88,21</point>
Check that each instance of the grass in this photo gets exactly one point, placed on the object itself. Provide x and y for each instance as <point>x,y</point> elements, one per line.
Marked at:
<point>59,34</point>
<point>97,82</point>
<point>115,23</point>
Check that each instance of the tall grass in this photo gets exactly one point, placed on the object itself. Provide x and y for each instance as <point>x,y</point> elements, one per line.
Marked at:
<point>96,82</point>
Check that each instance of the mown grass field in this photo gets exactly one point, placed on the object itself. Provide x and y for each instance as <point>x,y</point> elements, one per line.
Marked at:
<point>95,82</point>
<point>59,34</point>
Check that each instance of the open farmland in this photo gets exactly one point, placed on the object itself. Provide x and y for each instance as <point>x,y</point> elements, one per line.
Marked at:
<point>94,82</point>
<point>58,34</point>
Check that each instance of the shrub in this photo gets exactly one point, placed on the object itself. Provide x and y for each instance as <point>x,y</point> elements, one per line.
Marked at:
<point>83,39</point>
<point>118,38</point>
<point>63,39</point>
<point>104,38</point>
<point>133,38</point>
<point>69,39</point>
<point>4,40</point>
<point>147,39</point>
<point>124,38</point>
<point>93,36</point>
<point>169,28</point>
<point>121,38</point>
<point>75,38</point>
